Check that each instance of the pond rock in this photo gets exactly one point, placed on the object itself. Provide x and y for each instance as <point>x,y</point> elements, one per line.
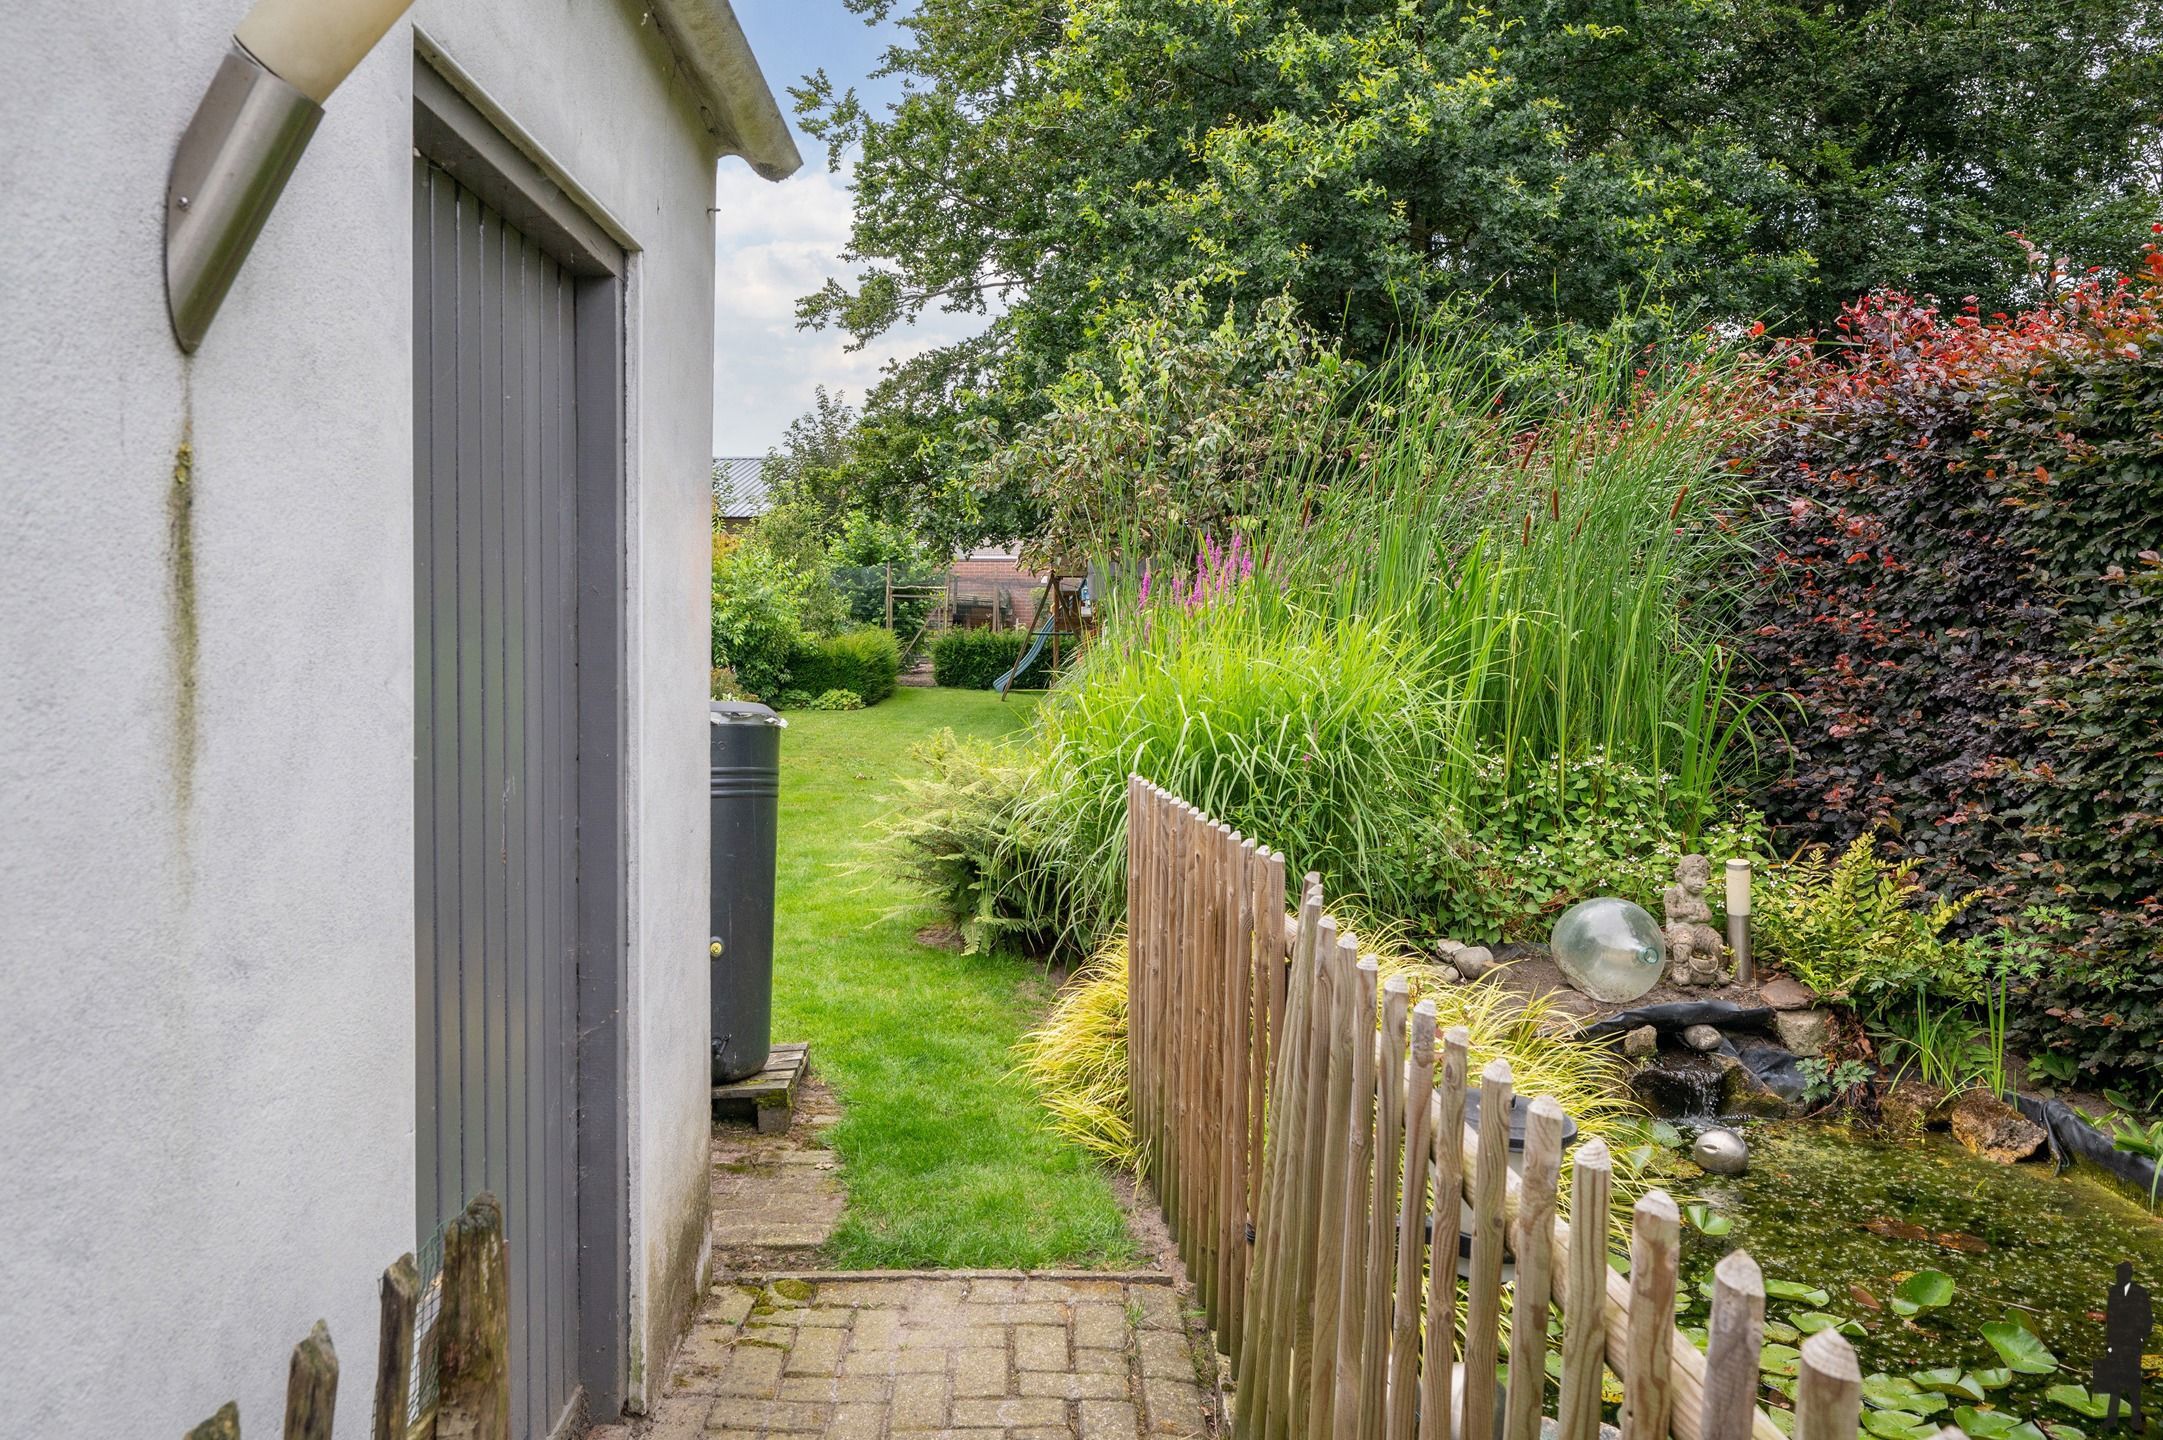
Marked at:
<point>1473,961</point>
<point>1720,1151</point>
<point>1701,1037</point>
<point>1784,993</point>
<point>1642,1043</point>
<point>1803,1031</point>
<point>1911,1107</point>
<point>1987,1126</point>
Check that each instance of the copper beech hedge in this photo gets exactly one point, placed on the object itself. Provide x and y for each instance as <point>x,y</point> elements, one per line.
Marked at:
<point>1962,589</point>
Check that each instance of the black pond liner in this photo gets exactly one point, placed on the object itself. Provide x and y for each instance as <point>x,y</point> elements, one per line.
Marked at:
<point>2072,1139</point>
<point>1775,1066</point>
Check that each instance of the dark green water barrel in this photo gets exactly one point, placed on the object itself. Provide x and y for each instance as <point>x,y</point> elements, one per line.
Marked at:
<point>744,751</point>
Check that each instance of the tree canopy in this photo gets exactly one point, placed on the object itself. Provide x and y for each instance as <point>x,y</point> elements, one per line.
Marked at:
<point>1533,162</point>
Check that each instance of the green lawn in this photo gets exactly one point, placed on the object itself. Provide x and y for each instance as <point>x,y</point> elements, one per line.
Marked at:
<point>944,1149</point>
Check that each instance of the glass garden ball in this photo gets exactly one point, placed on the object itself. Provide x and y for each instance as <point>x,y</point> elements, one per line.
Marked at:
<point>1610,949</point>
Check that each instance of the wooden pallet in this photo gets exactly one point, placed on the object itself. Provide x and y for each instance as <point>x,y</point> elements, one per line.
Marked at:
<point>768,1098</point>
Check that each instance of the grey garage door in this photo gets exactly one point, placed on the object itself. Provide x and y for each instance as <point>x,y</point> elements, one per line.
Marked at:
<point>497,758</point>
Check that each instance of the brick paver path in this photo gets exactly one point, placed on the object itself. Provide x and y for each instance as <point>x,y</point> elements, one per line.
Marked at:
<point>993,1356</point>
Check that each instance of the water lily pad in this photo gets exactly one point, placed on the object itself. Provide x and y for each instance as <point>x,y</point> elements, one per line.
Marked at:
<point>1885,1392</point>
<point>1995,1425</point>
<point>1924,1290</point>
<point>1897,1425</point>
<point>1663,1134</point>
<point>2019,1348</point>
<point>2077,1399</point>
<point>1992,1379</point>
<point>1789,1290</point>
<point>2059,1430</point>
<point>1898,1392</point>
<point>1951,1381</point>
<point>1781,1332</point>
<point>1984,1424</point>
<point>1779,1359</point>
<point>1708,1221</point>
<point>1809,1322</point>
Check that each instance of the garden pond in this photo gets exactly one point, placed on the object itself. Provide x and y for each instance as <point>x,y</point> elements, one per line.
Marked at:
<point>1973,1292</point>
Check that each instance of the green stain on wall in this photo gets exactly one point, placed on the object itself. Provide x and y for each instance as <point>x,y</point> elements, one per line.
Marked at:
<point>183,631</point>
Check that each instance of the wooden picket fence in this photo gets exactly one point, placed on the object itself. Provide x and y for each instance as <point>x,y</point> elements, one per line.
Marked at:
<point>468,1352</point>
<point>1298,1148</point>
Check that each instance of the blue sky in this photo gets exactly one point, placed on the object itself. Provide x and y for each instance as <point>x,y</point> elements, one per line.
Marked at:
<point>773,243</point>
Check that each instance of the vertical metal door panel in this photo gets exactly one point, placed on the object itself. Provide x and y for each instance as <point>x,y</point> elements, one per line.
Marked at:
<point>424,832</point>
<point>496,758</point>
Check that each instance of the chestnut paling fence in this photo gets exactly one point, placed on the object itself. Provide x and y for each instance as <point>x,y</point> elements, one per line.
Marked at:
<point>1301,1122</point>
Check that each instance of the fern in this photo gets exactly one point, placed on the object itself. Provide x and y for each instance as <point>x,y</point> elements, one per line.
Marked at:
<point>1853,927</point>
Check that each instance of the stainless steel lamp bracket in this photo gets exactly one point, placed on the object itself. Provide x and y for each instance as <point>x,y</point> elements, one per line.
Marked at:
<point>228,171</point>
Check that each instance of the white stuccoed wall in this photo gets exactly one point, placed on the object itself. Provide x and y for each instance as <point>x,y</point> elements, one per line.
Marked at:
<point>206,950</point>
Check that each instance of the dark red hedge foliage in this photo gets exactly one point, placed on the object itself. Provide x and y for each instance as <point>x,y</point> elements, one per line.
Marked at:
<point>1962,587</point>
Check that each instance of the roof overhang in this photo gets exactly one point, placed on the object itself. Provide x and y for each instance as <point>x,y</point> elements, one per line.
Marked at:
<point>739,106</point>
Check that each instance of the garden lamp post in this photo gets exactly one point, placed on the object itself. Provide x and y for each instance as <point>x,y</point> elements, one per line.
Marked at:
<point>247,134</point>
<point>1738,921</point>
<point>1520,1113</point>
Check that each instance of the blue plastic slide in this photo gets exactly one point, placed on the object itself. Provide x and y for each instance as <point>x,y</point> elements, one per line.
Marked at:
<point>1045,626</point>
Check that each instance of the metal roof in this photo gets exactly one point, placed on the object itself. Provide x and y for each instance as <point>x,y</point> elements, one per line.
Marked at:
<point>739,486</point>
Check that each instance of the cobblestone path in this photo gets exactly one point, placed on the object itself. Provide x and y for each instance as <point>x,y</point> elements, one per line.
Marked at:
<point>985,1355</point>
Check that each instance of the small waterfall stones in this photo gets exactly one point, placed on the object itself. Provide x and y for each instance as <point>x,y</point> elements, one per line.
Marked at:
<point>1720,1151</point>
<point>1701,1037</point>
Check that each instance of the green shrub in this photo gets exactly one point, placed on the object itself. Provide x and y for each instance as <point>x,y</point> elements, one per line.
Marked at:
<point>756,625</point>
<point>836,700</point>
<point>972,659</point>
<point>1503,860</point>
<point>863,662</point>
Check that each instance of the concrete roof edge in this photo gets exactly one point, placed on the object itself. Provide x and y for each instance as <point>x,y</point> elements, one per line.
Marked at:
<point>740,106</point>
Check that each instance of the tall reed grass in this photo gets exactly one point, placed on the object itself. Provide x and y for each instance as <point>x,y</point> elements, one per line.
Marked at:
<point>1447,575</point>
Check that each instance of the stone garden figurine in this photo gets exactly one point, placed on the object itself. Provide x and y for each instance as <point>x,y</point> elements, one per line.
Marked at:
<point>2127,1319</point>
<point>1694,948</point>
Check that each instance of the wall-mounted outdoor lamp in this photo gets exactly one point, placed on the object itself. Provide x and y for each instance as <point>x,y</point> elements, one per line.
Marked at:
<point>1738,921</point>
<point>248,134</point>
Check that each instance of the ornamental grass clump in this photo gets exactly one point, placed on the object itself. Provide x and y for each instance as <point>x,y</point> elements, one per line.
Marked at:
<point>1455,599</point>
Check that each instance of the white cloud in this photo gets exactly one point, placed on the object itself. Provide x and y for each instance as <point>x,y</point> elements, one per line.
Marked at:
<point>773,244</point>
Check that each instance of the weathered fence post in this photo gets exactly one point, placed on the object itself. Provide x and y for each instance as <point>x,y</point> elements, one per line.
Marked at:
<point>1483,1298</point>
<point>225,1425</point>
<point>1648,1390</point>
<point>1437,1376</point>
<point>1828,1389</point>
<point>473,1385</point>
<point>1379,1280</point>
<point>1358,1165</point>
<point>1535,1247</point>
<point>1412,1212</point>
<point>401,1294</point>
<point>311,1387</point>
<point>1584,1311</point>
<point>1735,1336</point>
<point>1329,1157</point>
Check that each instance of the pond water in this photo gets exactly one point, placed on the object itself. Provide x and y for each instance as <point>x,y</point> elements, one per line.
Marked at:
<point>1836,1210</point>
